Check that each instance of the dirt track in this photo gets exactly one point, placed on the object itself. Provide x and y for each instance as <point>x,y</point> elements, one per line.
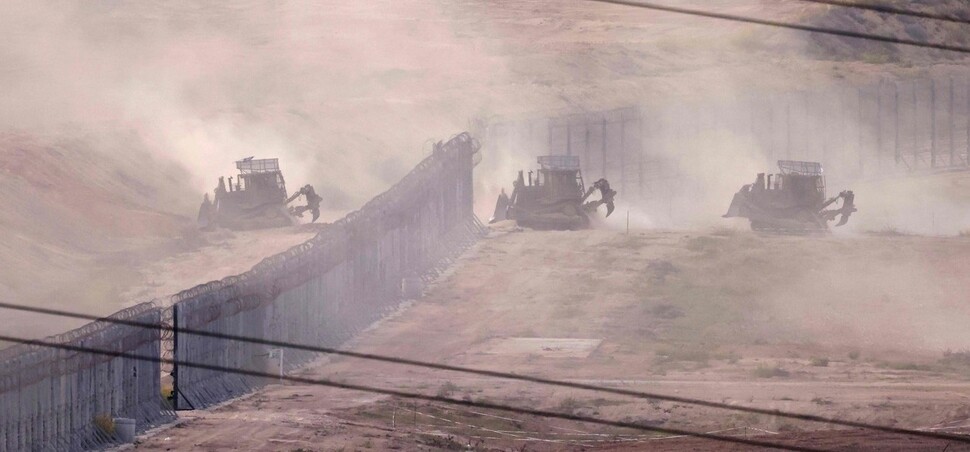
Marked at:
<point>642,295</point>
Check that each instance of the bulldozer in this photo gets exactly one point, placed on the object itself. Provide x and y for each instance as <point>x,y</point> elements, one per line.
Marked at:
<point>555,198</point>
<point>791,201</point>
<point>256,200</point>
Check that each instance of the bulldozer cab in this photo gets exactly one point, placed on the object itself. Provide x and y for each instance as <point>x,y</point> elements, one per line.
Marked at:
<point>559,177</point>
<point>796,184</point>
<point>259,182</point>
<point>557,180</point>
<point>799,183</point>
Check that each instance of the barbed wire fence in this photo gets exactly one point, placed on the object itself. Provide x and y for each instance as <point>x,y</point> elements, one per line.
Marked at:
<point>328,289</point>
<point>60,400</point>
<point>322,291</point>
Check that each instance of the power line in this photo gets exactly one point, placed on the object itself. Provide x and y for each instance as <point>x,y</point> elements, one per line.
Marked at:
<point>788,25</point>
<point>494,374</point>
<point>890,10</point>
<point>409,395</point>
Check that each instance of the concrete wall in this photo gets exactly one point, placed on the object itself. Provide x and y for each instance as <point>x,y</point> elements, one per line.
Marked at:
<point>50,399</point>
<point>321,292</point>
<point>326,290</point>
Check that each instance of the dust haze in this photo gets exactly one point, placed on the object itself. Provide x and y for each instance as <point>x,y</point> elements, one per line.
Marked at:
<point>204,86</point>
<point>117,116</point>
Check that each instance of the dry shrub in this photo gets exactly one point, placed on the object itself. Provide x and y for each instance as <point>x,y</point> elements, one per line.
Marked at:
<point>820,362</point>
<point>105,423</point>
<point>770,372</point>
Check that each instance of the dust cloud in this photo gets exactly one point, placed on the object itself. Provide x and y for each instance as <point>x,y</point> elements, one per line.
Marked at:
<point>339,94</point>
<point>117,115</point>
<point>717,129</point>
<point>350,102</point>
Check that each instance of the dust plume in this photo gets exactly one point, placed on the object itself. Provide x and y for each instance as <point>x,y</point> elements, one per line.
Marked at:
<point>336,92</point>
<point>117,116</point>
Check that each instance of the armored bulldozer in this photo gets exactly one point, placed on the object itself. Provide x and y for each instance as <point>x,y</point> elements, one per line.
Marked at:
<point>793,200</point>
<point>553,197</point>
<point>256,200</point>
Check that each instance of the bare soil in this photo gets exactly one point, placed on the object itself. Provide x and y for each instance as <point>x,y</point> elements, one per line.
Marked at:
<point>693,315</point>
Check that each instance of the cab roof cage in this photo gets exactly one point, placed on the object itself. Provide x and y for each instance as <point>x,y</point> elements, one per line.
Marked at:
<point>798,167</point>
<point>559,162</point>
<point>250,166</point>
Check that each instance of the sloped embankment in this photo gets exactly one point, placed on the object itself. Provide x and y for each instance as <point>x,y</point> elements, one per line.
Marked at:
<point>76,214</point>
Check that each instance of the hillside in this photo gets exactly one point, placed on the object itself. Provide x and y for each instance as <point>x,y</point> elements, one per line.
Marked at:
<point>118,116</point>
<point>904,27</point>
<point>867,328</point>
<point>75,214</point>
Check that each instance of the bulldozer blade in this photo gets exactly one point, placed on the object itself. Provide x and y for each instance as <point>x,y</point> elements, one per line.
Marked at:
<point>205,214</point>
<point>734,210</point>
<point>501,207</point>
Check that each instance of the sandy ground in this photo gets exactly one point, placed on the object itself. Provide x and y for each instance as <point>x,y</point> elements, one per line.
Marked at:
<point>628,311</point>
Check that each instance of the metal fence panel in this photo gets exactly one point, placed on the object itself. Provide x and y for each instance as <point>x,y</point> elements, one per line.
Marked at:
<point>882,129</point>
<point>328,289</point>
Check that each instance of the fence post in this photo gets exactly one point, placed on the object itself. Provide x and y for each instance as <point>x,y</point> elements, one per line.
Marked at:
<point>532,134</point>
<point>569,138</point>
<point>788,128</point>
<point>603,148</point>
<point>932,123</point>
<point>176,394</point>
<point>771,131</point>
<point>896,121</point>
<point>549,126</point>
<point>879,125</point>
<point>859,129</point>
<point>950,123</point>
<point>640,151</point>
<point>818,125</point>
<point>622,152</point>
<point>752,121</point>
<point>916,142</point>
<point>842,127</point>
